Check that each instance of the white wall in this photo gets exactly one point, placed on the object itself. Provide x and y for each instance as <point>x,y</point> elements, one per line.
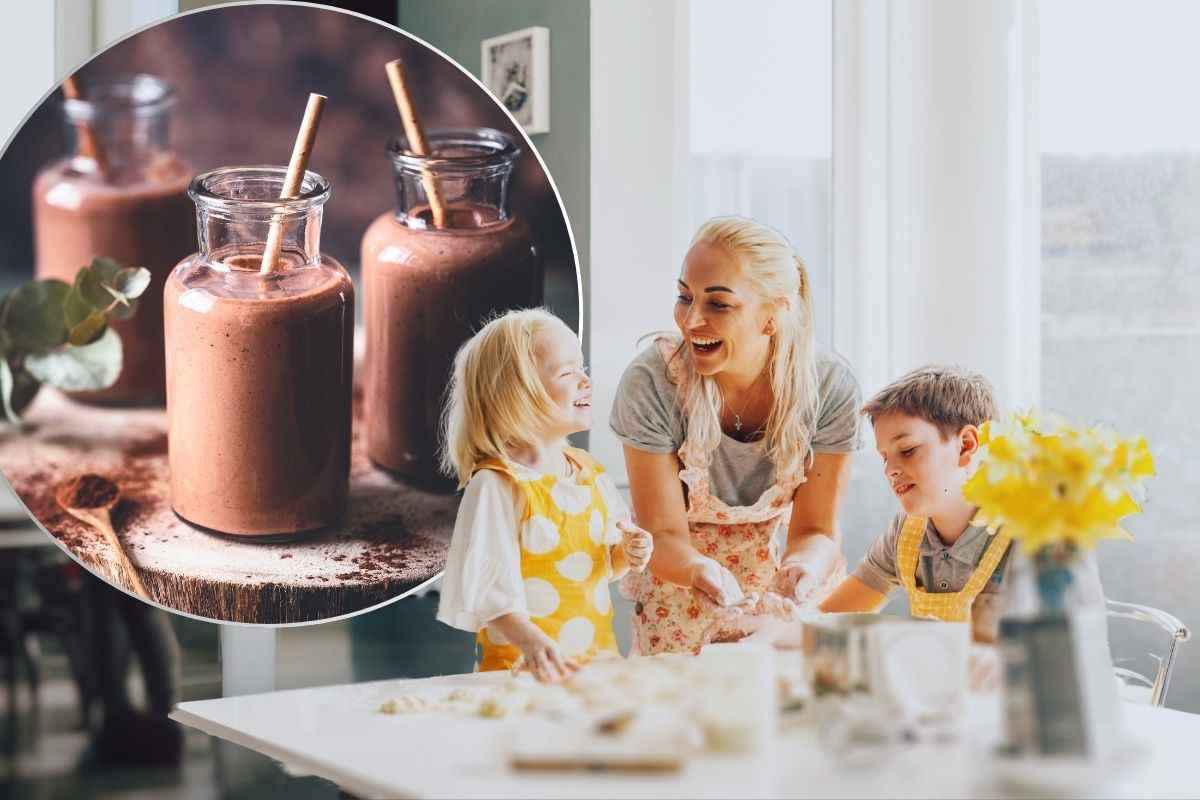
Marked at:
<point>639,125</point>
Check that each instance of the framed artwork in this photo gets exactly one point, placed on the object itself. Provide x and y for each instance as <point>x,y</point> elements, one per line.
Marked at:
<point>516,68</point>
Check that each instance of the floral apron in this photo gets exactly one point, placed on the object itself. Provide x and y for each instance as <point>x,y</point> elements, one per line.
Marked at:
<point>946,606</point>
<point>668,617</point>
<point>565,563</point>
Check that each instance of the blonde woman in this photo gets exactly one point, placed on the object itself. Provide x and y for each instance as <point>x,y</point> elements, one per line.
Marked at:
<point>735,430</point>
<point>541,530</point>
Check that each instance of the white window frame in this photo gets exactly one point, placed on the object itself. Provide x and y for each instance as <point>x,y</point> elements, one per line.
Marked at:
<point>85,27</point>
<point>937,184</point>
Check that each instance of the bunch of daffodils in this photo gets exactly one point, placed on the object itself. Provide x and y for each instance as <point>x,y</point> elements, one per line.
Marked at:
<point>1050,483</point>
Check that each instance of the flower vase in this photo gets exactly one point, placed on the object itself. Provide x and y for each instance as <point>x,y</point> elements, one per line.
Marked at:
<point>1060,694</point>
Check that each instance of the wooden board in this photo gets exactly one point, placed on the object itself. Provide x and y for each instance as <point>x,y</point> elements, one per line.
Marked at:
<point>393,539</point>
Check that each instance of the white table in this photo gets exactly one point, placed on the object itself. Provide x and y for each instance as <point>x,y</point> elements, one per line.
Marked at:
<point>336,733</point>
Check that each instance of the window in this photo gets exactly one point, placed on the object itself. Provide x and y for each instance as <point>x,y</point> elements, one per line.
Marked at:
<point>1121,271</point>
<point>759,124</point>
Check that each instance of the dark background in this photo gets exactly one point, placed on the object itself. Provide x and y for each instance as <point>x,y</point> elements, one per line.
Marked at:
<point>242,77</point>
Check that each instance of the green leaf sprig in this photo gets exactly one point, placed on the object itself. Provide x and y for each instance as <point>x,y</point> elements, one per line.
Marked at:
<point>57,333</point>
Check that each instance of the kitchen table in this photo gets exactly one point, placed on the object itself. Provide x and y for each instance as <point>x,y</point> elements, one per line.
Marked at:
<point>337,732</point>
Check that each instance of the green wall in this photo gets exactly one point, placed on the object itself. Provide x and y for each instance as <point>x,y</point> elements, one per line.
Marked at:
<point>456,27</point>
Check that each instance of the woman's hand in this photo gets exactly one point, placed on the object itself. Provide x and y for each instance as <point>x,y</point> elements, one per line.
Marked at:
<point>813,550</point>
<point>805,568</point>
<point>637,545</point>
<point>715,581</point>
<point>794,580</point>
<point>659,507</point>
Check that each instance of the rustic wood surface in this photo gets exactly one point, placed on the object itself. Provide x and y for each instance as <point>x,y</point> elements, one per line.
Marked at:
<point>393,539</point>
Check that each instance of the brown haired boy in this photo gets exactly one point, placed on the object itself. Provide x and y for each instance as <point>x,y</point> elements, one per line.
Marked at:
<point>927,433</point>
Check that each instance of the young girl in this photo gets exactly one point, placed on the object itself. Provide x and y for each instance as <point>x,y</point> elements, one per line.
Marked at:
<point>539,531</point>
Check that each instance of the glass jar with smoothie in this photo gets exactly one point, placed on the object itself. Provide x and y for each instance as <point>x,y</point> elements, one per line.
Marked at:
<point>428,289</point>
<point>121,194</point>
<point>259,364</point>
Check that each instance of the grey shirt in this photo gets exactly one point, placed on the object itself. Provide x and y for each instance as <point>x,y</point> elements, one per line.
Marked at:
<point>646,415</point>
<point>946,568</point>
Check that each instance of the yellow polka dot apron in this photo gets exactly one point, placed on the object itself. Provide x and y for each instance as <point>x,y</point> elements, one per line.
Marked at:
<point>946,606</point>
<point>564,537</point>
<point>668,617</point>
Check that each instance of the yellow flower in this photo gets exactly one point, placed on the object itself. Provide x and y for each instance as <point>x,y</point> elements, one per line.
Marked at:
<point>1048,482</point>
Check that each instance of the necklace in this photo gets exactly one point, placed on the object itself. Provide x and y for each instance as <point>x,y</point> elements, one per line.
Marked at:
<point>737,417</point>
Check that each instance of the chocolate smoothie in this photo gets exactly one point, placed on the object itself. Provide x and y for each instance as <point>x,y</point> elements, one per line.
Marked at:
<point>259,381</point>
<point>133,208</point>
<point>428,290</point>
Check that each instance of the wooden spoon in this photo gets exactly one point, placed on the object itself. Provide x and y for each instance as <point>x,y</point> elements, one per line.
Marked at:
<point>90,499</point>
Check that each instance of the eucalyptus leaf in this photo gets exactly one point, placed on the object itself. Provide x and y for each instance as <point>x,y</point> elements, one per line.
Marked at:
<point>90,329</point>
<point>6,391</point>
<point>106,269</point>
<point>75,308</point>
<point>90,285</point>
<point>73,369</point>
<point>34,315</point>
<point>132,282</point>
<point>25,388</point>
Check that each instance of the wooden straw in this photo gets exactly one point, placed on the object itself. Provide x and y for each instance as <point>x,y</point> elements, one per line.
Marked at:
<point>416,138</point>
<point>89,146</point>
<point>294,178</point>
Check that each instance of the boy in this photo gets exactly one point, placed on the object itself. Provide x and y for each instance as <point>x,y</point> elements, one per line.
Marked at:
<point>927,433</point>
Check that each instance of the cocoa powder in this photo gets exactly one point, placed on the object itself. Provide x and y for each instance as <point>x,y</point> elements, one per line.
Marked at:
<point>88,491</point>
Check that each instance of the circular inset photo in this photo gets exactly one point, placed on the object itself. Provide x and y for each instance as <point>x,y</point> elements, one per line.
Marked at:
<point>244,249</point>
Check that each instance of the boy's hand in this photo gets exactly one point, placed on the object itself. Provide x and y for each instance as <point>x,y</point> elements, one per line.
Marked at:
<point>983,668</point>
<point>636,544</point>
<point>715,581</point>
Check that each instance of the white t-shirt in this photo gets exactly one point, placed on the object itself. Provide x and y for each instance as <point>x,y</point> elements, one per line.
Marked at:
<point>482,579</point>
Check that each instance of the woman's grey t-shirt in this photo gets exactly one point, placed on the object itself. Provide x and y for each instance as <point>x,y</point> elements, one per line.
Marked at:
<point>646,415</point>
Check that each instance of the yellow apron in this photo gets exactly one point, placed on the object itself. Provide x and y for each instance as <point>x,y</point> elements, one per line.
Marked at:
<point>946,606</point>
<point>565,563</point>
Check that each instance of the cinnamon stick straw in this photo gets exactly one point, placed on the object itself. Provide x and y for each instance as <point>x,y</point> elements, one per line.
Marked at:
<point>416,138</point>
<point>294,178</point>
<point>89,146</point>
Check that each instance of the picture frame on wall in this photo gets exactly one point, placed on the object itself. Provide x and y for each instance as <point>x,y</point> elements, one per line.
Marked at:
<point>516,69</point>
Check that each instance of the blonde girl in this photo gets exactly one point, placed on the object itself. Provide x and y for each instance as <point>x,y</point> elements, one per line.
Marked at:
<point>541,530</point>
<point>737,434</point>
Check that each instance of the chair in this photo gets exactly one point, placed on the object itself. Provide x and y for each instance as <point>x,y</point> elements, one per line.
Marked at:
<point>1140,649</point>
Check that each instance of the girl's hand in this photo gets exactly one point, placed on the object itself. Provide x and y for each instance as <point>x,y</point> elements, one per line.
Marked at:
<point>636,544</point>
<point>715,581</point>
<point>545,660</point>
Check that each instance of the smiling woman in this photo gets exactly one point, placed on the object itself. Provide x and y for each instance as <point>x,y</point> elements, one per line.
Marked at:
<point>734,431</point>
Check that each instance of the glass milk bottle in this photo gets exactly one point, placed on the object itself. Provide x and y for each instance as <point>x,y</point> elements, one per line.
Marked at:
<point>121,194</point>
<point>259,366</point>
<point>428,289</point>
